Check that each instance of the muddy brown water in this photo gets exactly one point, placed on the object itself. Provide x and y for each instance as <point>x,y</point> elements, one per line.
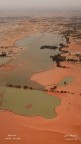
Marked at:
<point>31,60</point>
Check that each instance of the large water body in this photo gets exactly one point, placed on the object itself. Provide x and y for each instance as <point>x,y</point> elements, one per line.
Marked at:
<point>29,102</point>
<point>31,60</point>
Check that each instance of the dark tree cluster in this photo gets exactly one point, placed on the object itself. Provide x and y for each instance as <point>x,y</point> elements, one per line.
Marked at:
<point>67,39</point>
<point>48,47</point>
<point>73,60</point>
<point>58,58</point>
<point>15,86</point>
<point>62,91</point>
<point>19,86</point>
<point>62,45</point>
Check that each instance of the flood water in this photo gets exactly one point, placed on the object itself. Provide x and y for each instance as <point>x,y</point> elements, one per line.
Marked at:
<point>29,103</point>
<point>31,60</point>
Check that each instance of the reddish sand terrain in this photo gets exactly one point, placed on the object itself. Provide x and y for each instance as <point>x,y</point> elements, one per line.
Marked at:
<point>7,67</point>
<point>64,129</point>
<point>75,46</point>
<point>49,77</point>
<point>38,130</point>
<point>68,118</point>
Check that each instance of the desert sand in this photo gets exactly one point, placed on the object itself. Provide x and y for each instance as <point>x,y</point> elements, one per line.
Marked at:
<point>66,127</point>
<point>68,118</point>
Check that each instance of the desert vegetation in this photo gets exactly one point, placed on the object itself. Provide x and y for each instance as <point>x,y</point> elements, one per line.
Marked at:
<point>48,47</point>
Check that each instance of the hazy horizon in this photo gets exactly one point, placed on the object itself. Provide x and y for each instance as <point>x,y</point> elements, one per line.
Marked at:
<point>40,4</point>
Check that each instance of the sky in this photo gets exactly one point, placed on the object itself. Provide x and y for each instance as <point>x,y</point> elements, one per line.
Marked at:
<point>57,4</point>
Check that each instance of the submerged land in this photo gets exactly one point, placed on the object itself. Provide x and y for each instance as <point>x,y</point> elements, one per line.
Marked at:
<point>40,71</point>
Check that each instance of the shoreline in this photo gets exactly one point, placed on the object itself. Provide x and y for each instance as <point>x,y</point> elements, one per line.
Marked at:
<point>65,107</point>
<point>65,128</point>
